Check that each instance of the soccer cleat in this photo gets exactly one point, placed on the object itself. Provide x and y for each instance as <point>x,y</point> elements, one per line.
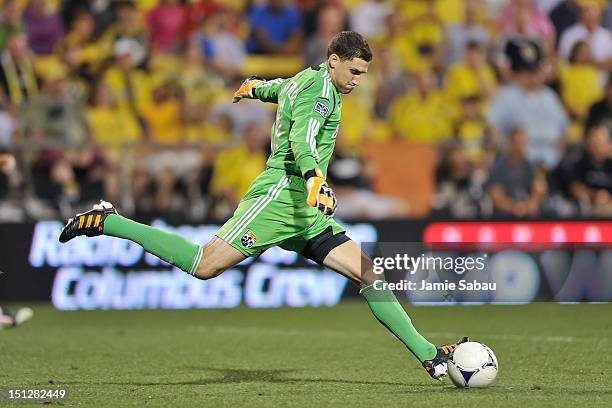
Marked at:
<point>23,315</point>
<point>90,223</point>
<point>437,366</point>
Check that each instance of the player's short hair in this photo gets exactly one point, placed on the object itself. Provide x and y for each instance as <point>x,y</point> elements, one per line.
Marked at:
<point>348,45</point>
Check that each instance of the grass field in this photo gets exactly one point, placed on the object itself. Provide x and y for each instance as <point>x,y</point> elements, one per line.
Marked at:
<point>550,355</point>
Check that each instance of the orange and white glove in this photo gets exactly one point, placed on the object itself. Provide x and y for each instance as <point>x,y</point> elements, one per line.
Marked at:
<point>320,195</point>
<point>247,89</point>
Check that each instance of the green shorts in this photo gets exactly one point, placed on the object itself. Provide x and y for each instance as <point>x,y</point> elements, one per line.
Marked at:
<point>274,212</point>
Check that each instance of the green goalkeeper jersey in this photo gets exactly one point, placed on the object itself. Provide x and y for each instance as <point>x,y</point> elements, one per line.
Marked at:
<point>307,120</point>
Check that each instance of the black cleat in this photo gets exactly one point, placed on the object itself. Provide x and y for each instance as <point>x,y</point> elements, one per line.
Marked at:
<point>437,366</point>
<point>90,223</point>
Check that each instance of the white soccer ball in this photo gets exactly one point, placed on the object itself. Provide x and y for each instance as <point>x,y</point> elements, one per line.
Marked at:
<point>472,365</point>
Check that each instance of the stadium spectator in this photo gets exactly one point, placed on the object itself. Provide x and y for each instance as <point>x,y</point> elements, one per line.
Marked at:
<point>44,27</point>
<point>10,21</point>
<point>166,24</point>
<point>79,50</point>
<point>131,85</point>
<point>579,86</point>
<point>276,28</point>
<point>330,20</point>
<point>592,183</point>
<point>235,169</point>
<point>17,76</point>
<point>7,129</point>
<point>167,159</point>
<point>163,116</point>
<point>589,29</point>
<point>515,187</point>
<point>199,88</point>
<point>459,184</point>
<point>242,115</point>
<point>472,76</point>
<point>472,30</point>
<point>601,112</point>
<point>391,81</point>
<point>523,18</point>
<point>198,12</point>
<point>66,163</point>
<point>8,125</point>
<point>128,26</point>
<point>470,128</point>
<point>423,114</point>
<point>527,103</point>
<point>223,50</point>
<point>102,11</point>
<point>111,126</point>
<point>564,16</point>
<point>560,199</point>
<point>419,37</point>
<point>418,46</point>
<point>7,164</point>
<point>368,18</point>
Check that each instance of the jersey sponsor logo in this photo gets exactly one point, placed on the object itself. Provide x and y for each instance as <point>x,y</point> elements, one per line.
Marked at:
<point>321,109</point>
<point>248,239</point>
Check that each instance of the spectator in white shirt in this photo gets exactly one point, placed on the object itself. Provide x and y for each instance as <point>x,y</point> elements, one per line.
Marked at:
<point>368,19</point>
<point>589,29</point>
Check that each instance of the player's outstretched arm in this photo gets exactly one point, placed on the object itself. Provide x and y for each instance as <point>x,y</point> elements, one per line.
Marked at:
<point>267,91</point>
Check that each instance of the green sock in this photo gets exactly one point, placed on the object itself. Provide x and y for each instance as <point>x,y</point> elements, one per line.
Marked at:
<point>170,247</point>
<point>389,312</point>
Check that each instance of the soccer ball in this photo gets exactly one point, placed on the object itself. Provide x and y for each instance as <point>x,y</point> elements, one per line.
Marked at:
<point>472,365</point>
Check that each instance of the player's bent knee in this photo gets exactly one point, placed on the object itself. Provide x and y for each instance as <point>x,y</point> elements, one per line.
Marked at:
<point>217,256</point>
<point>208,271</point>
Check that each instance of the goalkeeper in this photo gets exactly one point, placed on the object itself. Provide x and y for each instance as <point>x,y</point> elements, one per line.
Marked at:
<point>290,204</point>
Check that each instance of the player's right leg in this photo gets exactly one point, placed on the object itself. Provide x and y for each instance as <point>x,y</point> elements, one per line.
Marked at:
<point>202,262</point>
<point>348,260</point>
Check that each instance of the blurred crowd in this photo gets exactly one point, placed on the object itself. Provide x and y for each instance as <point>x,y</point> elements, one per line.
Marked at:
<point>131,101</point>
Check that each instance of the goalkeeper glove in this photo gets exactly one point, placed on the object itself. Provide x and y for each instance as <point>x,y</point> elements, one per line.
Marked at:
<point>247,89</point>
<point>320,195</point>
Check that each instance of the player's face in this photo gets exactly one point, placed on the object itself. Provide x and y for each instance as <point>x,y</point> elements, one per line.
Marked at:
<point>347,75</point>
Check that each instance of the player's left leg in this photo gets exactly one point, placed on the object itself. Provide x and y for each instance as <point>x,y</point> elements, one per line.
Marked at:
<point>202,262</point>
<point>348,260</point>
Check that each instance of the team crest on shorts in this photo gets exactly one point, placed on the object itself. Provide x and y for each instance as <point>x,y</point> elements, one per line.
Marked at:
<point>248,239</point>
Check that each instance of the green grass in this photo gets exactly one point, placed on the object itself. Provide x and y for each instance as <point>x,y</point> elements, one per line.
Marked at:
<point>550,355</point>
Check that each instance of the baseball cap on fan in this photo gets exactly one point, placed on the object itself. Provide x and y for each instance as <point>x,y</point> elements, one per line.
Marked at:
<point>524,54</point>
